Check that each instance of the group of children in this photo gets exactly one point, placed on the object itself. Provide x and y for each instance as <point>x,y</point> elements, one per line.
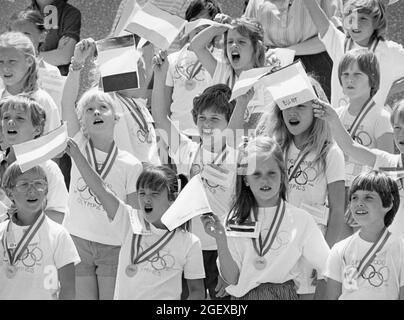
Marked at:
<point>303,180</point>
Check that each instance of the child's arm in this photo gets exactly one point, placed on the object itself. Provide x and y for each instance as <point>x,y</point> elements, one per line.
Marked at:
<point>333,289</point>
<point>196,289</point>
<point>199,45</point>
<point>337,229</point>
<point>71,89</point>
<point>160,107</point>
<point>237,117</point>
<point>109,201</point>
<point>228,268</point>
<point>318,16</point>
<point>67,279</point>
<point>355,150</point>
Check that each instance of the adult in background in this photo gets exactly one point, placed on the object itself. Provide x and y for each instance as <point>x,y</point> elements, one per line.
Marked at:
<point>58,47</point>
<point>287,24</point>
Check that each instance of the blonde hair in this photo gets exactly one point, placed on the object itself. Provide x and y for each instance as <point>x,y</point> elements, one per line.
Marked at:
<point>90,96</point>
<point>22,43</point>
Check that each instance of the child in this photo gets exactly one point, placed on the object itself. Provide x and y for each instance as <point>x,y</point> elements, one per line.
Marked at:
<point>37,255</point>
<point>265,268</point>
<point>92,127</point>
<point>243,51</point>
<point>370,263</point>
<point>19,71</point>
<point>134,132</point>
<point>372,158</point>
<point>152,259</point>
<point>315,168</point>
<point>367,122</point>
<point>186,77</point>
<point>368,31</point>
<point>211,113</point>
<point>22,120</point>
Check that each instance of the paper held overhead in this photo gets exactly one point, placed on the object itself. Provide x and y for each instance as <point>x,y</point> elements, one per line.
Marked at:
<point>118,63</point>
<point>190,26</point>
<point>290,86</point>
<point>155,25</point>
<point>191,202</point>
<point>34,152</point>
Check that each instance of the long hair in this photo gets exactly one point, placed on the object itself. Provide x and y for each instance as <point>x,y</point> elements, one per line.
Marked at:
<point>319,138</point>
<point>243,199</point>
<point>23,44</point>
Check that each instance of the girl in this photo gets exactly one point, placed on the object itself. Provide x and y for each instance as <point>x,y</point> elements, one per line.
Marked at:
<point>315,168</point>
<point>186,77</point>
<point>369,264</point>
<point>261,263</point>
<point>152,259</point>
<point>92,127</point>
<point>37,255</point>
<point>365,23</point>
<point>22,120</point>
<point>367,122</point>
<point>243,51</point>
<point>19,72</point>
<point>372,158</point>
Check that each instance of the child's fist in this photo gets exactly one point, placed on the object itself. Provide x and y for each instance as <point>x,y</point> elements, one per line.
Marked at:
<point>324,111</point>
<point>213,226</point>
<point>160,62</point>
<point>84,49</point>
<point>72,149</point>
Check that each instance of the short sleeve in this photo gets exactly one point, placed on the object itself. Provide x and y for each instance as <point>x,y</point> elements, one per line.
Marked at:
<point>382,124</point>
<point>334,41</point>
<point>194,268</point>
<point>57,197</point>
<point>133,174</point>
<point>71,23</point>
<point>315,248</point>
<point>385,159</point>
<point>334,264</point>
<point>335,170</point>
<point>171,68</point>
<point>121,221</point>
<point>65,251</point>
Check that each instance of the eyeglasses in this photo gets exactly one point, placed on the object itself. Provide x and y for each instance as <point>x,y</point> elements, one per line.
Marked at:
<point>39,185</point>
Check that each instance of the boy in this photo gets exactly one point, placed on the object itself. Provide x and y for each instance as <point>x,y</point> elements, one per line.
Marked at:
<point>370,263</point>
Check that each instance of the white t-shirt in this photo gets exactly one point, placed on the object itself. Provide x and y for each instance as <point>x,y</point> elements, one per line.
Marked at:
<point>381,280</point>
<point>389,54</point>
<point>189,162</point>
<point>375,124</point>
<point>87,218</point>
<point>187,83</point>
<point>385,159</point>
<point>309,187</point>
<point>127,133</point>
<point>298,236</point>
<point>50,249</point>
<point>159,277</point>
<point>57,196</point>
<point>53,119</point>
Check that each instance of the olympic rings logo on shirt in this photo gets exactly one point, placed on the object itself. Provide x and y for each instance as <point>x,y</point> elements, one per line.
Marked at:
<point>363,138</point>
<point>85,192</point>
<point>144,137</point>
<point>161,260</point>
<point>281,240</point>
<point>376,277</point>
<point>303,176</point>
<point>31,257</point>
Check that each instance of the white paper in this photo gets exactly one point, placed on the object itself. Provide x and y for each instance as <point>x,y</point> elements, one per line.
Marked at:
<point>290,86</point>
<point>118,60</point>
<point>190,26</point>
<point>286,56</point>
<point>157,26</point>
<point>191,202</point>
<point>53,84</point>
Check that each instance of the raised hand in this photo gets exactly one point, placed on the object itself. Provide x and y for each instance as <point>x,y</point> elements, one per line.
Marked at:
<point>324,111</point>
<point>213,226</point>
<point>160,62</point>
<point>84,49</point>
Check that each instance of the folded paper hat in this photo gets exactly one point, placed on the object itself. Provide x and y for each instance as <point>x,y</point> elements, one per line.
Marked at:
<point>290,86</point>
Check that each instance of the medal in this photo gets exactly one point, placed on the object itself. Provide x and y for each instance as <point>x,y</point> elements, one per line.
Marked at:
<point>260,263</point>
<point>11,271</point>
<point>190,84</point>
<point>131,270</point>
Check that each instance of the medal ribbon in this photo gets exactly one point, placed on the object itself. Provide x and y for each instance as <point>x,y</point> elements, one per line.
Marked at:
<point>25,240</point>
<point>265,245</point>
<point>149,252</point>
<point>372,47</point>
<point>297,163</point>
<point>371,253</point>
<point>108,163</point>
<point>135,112</point>
<point>359,118</point>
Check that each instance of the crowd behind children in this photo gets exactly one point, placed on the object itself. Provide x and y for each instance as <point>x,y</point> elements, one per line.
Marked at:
<point>305,200</point>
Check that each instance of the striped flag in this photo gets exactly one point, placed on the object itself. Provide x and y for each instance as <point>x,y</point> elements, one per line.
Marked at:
<point>155,25</point>
<point>34,152</point>
<point>191,202</point>
<point>118,61</point>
